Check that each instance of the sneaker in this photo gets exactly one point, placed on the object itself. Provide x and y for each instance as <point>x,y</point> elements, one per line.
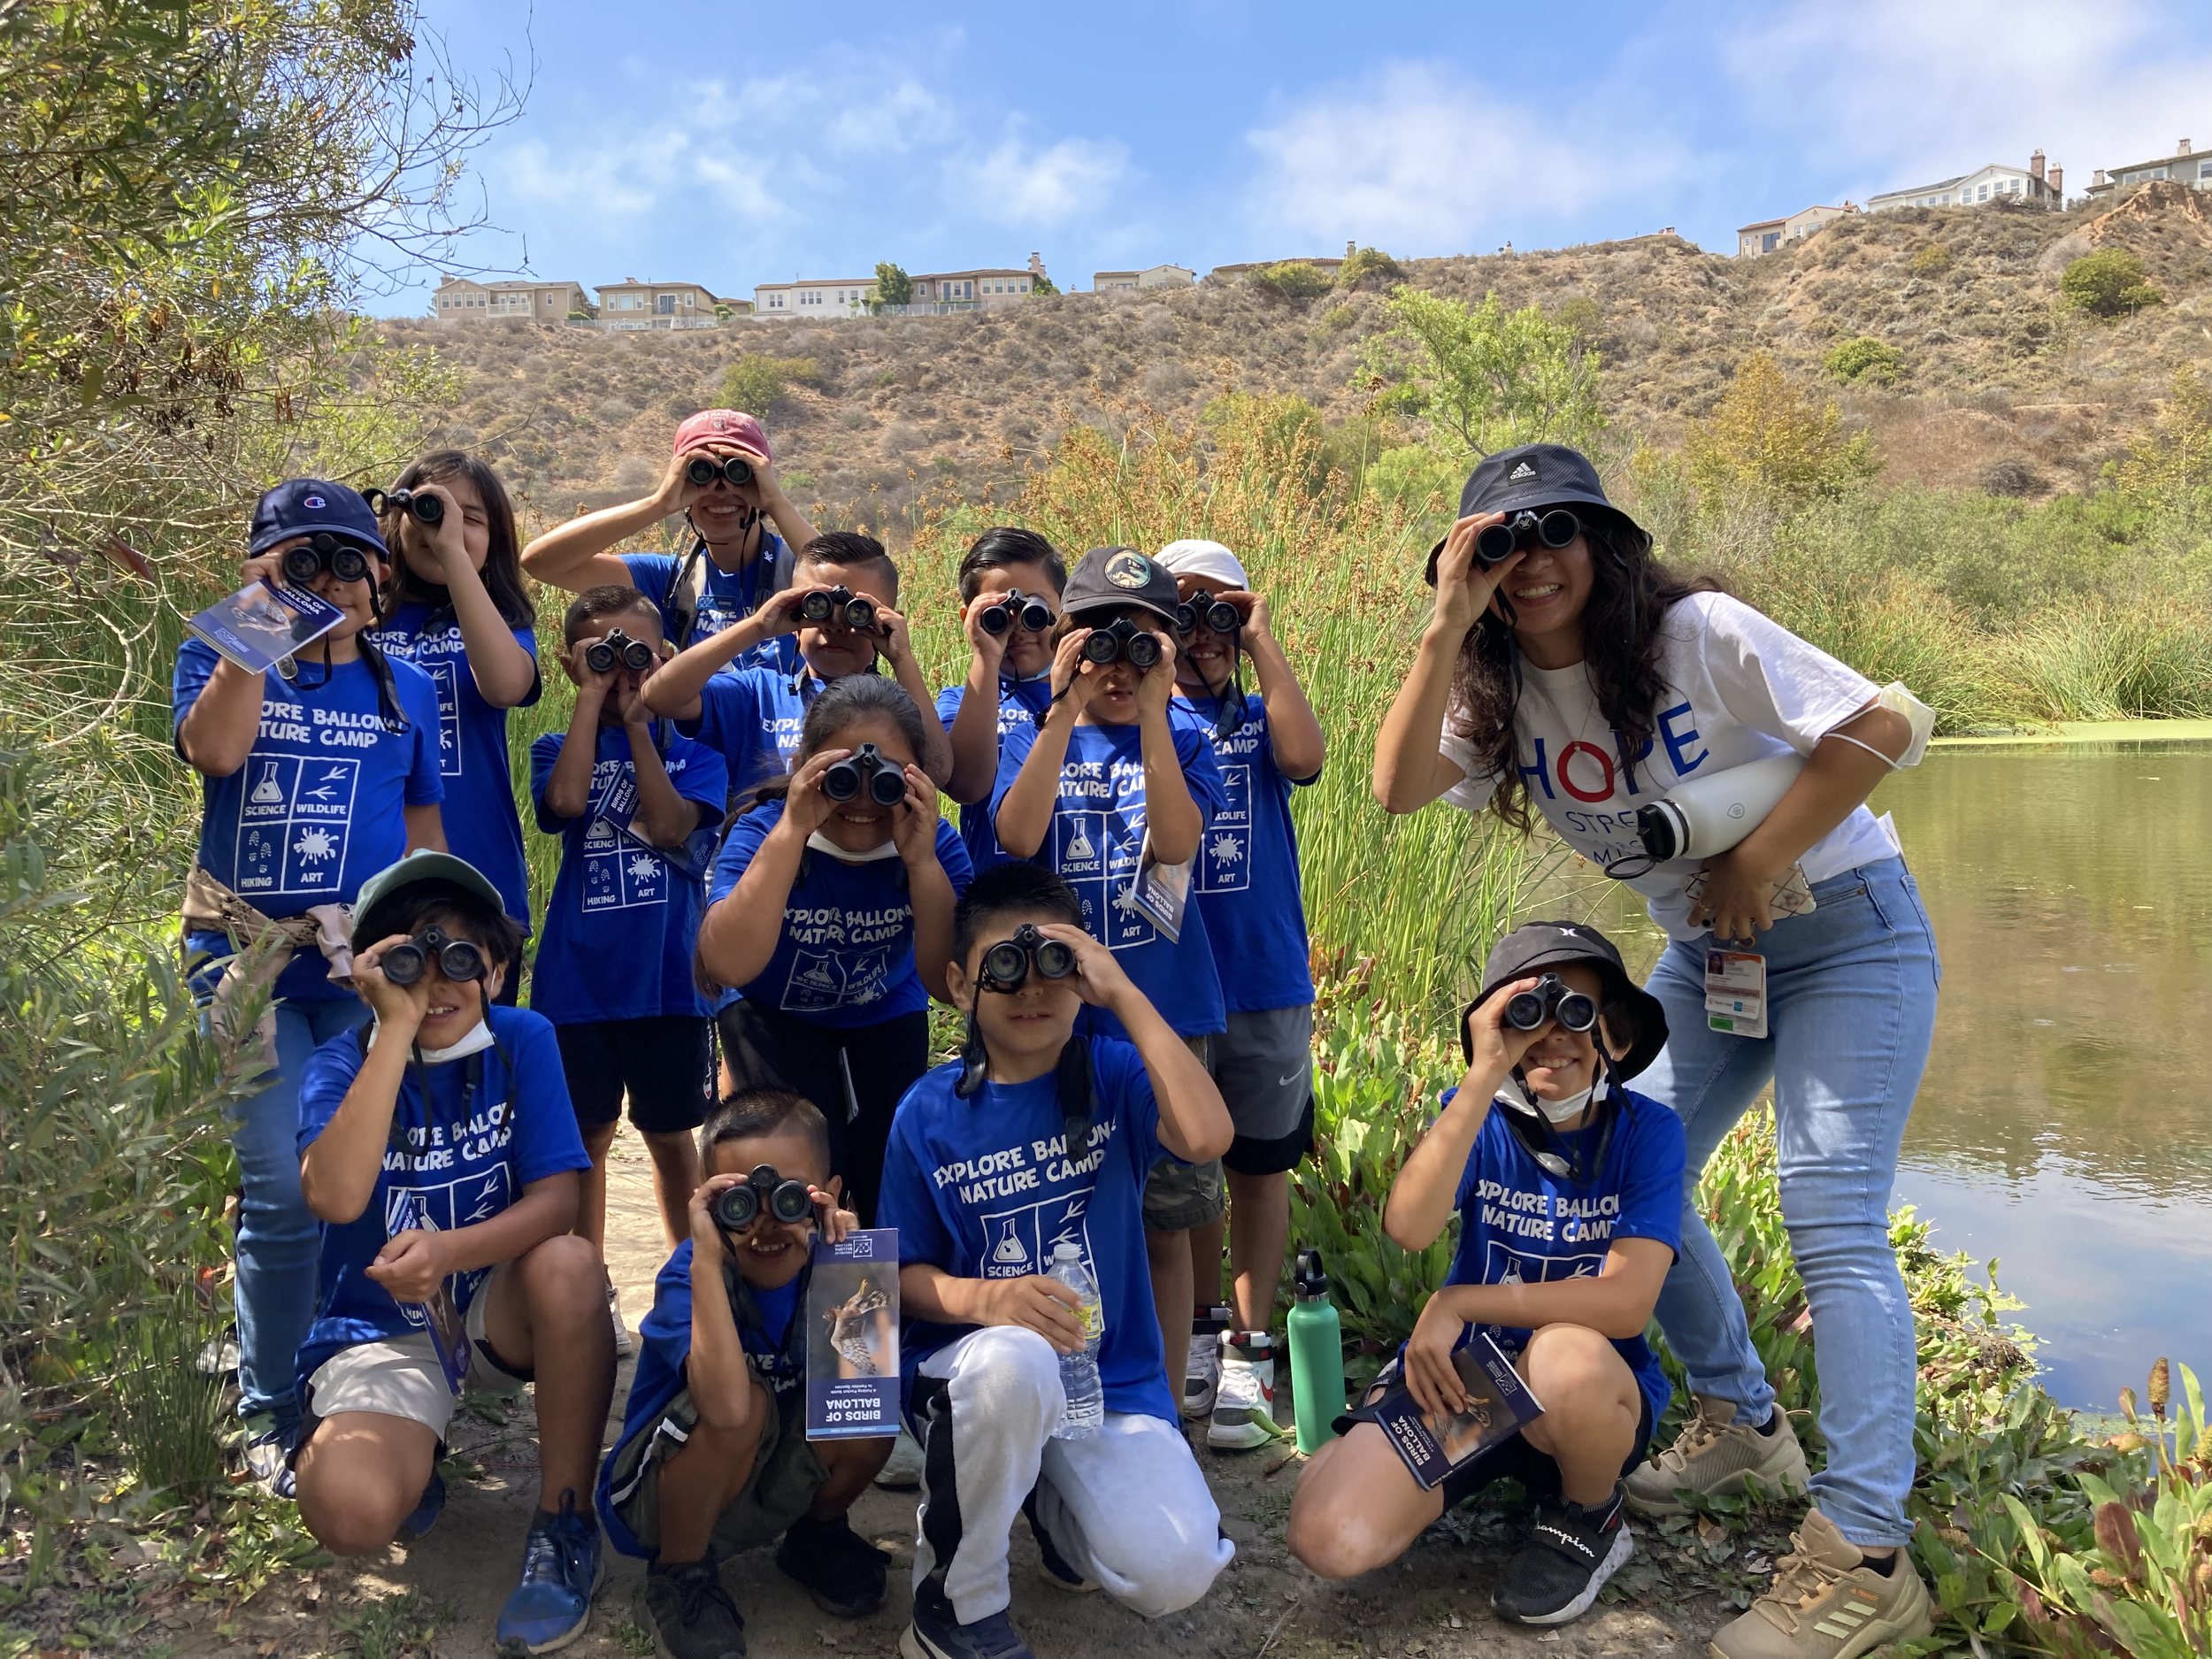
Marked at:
<point>936,1634</point>
<point>901,1471</point>
<point>691,1614</point>
<point>1201,1374</point>
<point>1826,1602</point>
<point>562,1564</point>
<point>1244,1403</point>
<point>1715,1457</point>
<point>268,1453</point>
<point>623,1345</point>
<point>1570,1554</point>
<point>427,1509</point>
<point>840,1569</point>
<point>219,1356</point>
<point>1052,1566</point>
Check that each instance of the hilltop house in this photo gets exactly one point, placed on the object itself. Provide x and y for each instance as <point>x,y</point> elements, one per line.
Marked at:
<point>1995,182</point>
<point>631,305</point>
<point>814,298</point>
<point>2184,166</point>
<point>1158,276</point>
<point>1769,233</point>
<point>1328,265</point>
<point>985,287</point>
<point>460,299</point>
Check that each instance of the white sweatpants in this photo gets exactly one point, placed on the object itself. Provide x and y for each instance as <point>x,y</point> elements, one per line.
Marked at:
<point>1126,1507</point>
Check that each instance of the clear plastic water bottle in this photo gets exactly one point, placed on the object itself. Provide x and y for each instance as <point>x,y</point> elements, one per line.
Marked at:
<point>1078,1370</point>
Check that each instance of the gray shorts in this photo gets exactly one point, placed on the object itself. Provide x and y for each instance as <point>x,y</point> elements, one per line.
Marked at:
<point>786,1475</point>
<point>400,1377</point>
<point>1263,1066</point>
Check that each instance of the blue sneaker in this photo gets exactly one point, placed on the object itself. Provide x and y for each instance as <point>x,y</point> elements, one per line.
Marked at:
<point>561,1569</point>
<point>936,1634</point>
<point>430,1505</point>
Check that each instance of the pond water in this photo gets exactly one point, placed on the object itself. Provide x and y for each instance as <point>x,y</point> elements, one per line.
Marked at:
<point>2064,1125</point>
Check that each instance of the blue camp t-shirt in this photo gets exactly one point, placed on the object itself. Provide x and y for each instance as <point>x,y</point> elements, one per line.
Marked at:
<point>466,1157</point>
<point>1519,1223</point>
<point>481,822</point>
<point>624,918</point>
<point>984,1189</point>
<point>728,599</point>
<point>1021,704</point>
<point>664,1349</point>
<point>1095,841</point>
<point>1246,884</point>
<point>846,955</point>
<point>319,805</point>
<point>752,719</point>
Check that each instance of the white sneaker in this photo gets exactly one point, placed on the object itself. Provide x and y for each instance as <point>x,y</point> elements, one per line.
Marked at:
<point>903,1471</point>
<point>1244,1406</point>
<point>1202,1375</point>
<point>623,1345</point>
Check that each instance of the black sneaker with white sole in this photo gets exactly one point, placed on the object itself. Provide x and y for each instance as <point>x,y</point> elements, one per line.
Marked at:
<point>691,1614</point>
<point>1571,1553</point>
<point>936,1631</point>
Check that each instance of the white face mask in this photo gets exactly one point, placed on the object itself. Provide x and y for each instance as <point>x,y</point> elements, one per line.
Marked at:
<point>478,1038</point>
<point>822,843</point>
<point>1558,1112</point>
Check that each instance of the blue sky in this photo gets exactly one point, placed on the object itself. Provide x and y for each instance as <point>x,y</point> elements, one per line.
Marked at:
<point>741,144</point>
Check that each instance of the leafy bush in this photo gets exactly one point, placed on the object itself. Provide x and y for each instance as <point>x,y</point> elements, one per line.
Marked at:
<point>1291,279</point>
<point>2108,283</point>
<point>1370,266</point>
<point>1482,376</point>
<point>1929,259</point>
<point>1767,438</point>
<point>758,381</point>
<point>1865,357</point>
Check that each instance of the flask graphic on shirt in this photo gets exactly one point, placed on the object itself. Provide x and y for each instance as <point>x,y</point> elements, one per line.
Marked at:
<point>268,792</point>
<point>1081,846</point>
<point>1009,1248</point>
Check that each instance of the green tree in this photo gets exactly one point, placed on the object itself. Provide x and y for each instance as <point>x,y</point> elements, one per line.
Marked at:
<point>1768,438</point>
<point>1865,357</point>
<point>1290,279</point>
<point>2174,456</point>
<point>892,287</point>
<point>1369,267</point>
<point>1484,378</point>
<point>758,381</point>
<point>1040,284</point>
<point>2108,283</point>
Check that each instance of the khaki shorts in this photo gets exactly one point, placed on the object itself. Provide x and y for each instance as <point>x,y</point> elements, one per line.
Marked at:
<point>400,1377</point>
<point>786,1475</point>
<point>1178,1196</point>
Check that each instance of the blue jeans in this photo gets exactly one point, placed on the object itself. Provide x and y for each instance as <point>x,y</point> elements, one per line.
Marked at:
<point>280,1241</point>
<point>1851,992</point>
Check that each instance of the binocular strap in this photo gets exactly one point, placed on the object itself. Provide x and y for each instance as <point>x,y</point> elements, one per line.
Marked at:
<point>1543,1143</point>
<point>1071,1075</point>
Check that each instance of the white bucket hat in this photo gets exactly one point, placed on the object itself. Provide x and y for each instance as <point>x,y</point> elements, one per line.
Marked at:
<point>1208,559</point>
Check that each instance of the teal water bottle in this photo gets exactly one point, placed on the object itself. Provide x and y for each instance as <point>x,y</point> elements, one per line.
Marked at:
<point>1316,1357</point>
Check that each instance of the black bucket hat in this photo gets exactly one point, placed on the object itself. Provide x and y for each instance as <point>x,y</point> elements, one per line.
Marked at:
<point>1535,476</point>
<point>1112,577</point>
<point>1631,1014</point>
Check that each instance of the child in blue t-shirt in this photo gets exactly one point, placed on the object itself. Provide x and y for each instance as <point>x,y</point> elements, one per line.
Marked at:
<point>831,917</point>
<point>1010,676</point>
<point>456,608</point>
<point>310,782</point>
<point>1246,887</point>
<point>1569,1192</point>
<point>636,808</point>
<point>436,1146</point>
<point>713,1458</point>
<point>753,717</point>
<point>736,562</point>
<point>990,1167</point>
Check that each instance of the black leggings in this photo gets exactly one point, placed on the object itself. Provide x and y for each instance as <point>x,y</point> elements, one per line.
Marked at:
<point>764,1049</point>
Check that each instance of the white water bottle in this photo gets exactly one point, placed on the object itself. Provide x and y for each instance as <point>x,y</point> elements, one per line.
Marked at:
<point>1078,1370</point>
<point>1703,815</point>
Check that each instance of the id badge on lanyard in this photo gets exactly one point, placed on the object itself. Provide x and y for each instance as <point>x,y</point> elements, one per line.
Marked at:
<point>1736,992</point>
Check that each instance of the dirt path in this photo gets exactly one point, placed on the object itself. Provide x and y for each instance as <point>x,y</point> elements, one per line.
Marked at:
<point>1435,1602</point>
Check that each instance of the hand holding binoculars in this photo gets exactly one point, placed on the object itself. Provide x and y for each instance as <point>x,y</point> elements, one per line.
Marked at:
<point>603,655</point>
<point>703,470</point>
<point>1007,964</point>
<point>1011,608</point>
<point>457,959</point>
<point>1530,1010</point>
<point>324,551</point>
<point>885,782</point>
<point>1523,531</point>
<point>1122,640</point>
<point>1216,616</point>
<point>426,509</point>
<point>784,1197</point>
<point>819,606</point>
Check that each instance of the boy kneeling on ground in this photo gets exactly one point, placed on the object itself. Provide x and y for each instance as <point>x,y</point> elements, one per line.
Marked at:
<point>991,1165</point>
<point>713,1457</point>
<point>1570,1192</point>
<point>438,1146</point>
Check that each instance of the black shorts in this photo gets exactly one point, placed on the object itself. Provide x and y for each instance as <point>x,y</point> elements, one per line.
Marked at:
<point>664,1062</point>
<point>1510,1460</point>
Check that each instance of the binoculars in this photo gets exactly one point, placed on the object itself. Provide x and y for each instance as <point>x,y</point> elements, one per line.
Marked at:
<point>841,781</point>
<point>1031,613</point>
<point>457,959</point>
<point>1526,1011</point>
<point>705,469</point>
<point>860,611</point>
<point>324,551</point>
<point>1524,530</point>
<point>1122,639</point>
<point>427,510</point>
<point>601,655</point>
<point>782,1196</point>
<point>1006,965</point>
<point>1217,616</point>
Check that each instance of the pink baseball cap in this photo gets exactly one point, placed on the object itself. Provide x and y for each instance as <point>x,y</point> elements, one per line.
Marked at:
<point>723,426</point>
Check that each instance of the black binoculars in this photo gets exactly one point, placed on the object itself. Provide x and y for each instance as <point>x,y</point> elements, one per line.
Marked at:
<point>1123,638</point>
<point>1524,530</point>
<point>427,510</point>
<point>841,781</point>
<point>1217,616</point>
<point>860,611</point>
<point>705,469</point>
<point>601,655</point>
<point>1031,613</point>
<point>1006,965</point>
<point>457,959</point>
<point>1526,1011</point>
<point>781,1196</point>
<point>324,551</point>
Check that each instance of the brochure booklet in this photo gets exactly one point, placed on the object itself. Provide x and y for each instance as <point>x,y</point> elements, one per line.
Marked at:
<point>852,1345</point>
<point>1158,891</point>
<point>262,624</point>
<point>1498,1405</point>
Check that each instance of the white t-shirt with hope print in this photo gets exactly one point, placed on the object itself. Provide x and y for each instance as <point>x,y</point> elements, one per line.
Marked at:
<point>1739,688</point>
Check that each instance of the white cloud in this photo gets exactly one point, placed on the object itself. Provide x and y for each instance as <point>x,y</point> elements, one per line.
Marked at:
<point>1019,184</point>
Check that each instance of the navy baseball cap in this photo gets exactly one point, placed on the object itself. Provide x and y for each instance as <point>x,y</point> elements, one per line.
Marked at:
<point>1110,577</point>
<point>1634,1019</point>
<point>1535,476</point>
<point>304,506</point>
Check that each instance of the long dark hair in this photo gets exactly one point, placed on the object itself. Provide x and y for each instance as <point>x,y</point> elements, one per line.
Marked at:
<point>1630,593</point>
<point>503,553</point>
<point>843,702</point>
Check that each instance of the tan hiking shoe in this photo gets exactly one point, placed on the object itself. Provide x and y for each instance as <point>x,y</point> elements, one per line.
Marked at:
<point>1824,1603</point>
<point>1712,1456</point>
